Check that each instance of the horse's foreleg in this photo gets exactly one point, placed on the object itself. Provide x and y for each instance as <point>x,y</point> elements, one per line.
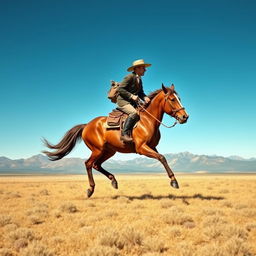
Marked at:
<point>97,166</point>
<point>149,152</point>
<point>155,150</point>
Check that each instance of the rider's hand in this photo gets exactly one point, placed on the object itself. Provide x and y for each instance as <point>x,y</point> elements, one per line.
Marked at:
<point>146,99</point>
<point>135,97</point>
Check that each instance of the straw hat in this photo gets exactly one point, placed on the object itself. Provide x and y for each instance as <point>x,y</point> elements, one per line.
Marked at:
<point>138,63</point>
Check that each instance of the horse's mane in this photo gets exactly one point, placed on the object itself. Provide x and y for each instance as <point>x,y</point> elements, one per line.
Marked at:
<point>153,94</point>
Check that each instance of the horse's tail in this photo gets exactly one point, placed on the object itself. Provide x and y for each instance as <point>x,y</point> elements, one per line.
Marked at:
<point>67,143</point>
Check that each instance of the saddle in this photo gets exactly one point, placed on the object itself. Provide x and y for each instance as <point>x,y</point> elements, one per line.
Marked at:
<point>116,119</point>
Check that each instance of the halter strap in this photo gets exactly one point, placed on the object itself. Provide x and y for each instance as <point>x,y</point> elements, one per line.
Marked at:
<point>174,112</point>
<point>177,110</point>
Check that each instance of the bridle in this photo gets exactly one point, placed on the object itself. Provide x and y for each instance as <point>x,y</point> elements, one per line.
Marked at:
<point>173,113</point>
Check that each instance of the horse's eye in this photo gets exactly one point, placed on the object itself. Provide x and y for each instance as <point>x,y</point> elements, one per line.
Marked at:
<point>172,99</point>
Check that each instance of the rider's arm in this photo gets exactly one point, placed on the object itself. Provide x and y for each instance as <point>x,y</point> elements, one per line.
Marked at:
<point>124,87</point>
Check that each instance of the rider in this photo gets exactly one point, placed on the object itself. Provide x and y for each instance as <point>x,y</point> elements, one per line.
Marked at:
<point>129,92</point>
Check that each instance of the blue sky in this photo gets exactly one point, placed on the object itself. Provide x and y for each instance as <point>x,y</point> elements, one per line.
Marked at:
<point>57,58</point>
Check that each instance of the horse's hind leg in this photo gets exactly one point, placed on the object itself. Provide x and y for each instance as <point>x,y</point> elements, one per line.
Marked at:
<point>97,166</point>
<point>89,165</point>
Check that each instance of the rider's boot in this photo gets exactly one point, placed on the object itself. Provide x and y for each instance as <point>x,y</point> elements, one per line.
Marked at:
<point>128,125</point>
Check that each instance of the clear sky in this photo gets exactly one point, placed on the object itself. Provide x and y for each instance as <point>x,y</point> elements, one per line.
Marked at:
<point>57,58</point>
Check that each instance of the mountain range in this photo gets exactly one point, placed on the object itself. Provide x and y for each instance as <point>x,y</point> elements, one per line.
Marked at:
<point>180,162</point>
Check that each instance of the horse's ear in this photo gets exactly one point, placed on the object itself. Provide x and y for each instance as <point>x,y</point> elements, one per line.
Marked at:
<point>164,89</point>
<point>172,87</point>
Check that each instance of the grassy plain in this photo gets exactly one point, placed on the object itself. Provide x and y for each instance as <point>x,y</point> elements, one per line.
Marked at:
<point>210,215</point>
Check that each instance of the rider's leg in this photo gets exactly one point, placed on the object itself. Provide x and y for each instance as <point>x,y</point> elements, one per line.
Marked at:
<point>131,120</point>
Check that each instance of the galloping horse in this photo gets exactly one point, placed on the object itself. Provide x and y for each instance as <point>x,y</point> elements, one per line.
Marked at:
<point>105,143</point>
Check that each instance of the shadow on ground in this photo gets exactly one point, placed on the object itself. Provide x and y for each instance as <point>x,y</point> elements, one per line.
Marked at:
<point>170,196</point>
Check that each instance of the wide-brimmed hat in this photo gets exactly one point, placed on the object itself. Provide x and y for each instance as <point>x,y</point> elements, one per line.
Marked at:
<point>137,63</point>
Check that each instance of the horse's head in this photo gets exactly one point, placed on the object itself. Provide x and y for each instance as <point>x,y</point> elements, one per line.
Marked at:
<point>172,105</point>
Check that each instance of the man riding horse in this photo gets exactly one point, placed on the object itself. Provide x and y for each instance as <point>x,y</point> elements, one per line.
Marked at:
<point>130,92</point>
<point>104,143</point>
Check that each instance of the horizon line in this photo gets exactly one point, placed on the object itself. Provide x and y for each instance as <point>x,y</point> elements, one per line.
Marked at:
<point>139,156</point>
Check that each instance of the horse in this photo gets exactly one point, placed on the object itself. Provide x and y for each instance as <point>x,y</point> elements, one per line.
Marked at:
<point>104,143</point>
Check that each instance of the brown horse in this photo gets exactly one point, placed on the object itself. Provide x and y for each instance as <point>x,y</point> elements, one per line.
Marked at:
<point>105,143</point>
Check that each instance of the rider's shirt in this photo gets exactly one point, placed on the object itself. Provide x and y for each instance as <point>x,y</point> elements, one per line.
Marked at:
<point>131,85</point>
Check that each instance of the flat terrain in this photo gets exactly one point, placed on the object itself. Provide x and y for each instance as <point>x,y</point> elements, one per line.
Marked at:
<point>210,215</point>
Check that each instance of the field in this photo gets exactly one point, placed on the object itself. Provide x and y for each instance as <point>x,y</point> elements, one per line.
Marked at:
<point>210,215</point>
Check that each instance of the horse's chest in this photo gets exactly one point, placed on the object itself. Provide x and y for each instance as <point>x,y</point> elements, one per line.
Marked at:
<point>154,140</point>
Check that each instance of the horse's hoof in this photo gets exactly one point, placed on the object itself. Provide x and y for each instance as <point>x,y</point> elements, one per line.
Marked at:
<point>174,184</point>
<point>114,184</point>
<point>89,193</point>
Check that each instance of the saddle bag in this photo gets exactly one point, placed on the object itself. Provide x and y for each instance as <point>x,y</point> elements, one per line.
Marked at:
<point>115,117</point>
<point>112,93</point>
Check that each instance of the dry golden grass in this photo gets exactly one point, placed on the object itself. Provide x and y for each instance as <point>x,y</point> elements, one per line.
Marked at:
<point>210,215</point>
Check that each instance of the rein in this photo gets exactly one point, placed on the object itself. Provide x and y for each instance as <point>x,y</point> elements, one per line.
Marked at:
<point>157,119</point>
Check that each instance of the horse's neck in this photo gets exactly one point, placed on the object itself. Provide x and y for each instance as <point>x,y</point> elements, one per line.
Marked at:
<point>156,110</point>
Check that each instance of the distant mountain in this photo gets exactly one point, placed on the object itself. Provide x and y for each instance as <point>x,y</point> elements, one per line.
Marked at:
<point>181,162</point>
<point>40,164</point>
<point>241,158</point>
<point>236,158</point>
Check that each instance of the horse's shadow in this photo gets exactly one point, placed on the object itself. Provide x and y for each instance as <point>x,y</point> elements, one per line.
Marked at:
<point>170,196</point>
